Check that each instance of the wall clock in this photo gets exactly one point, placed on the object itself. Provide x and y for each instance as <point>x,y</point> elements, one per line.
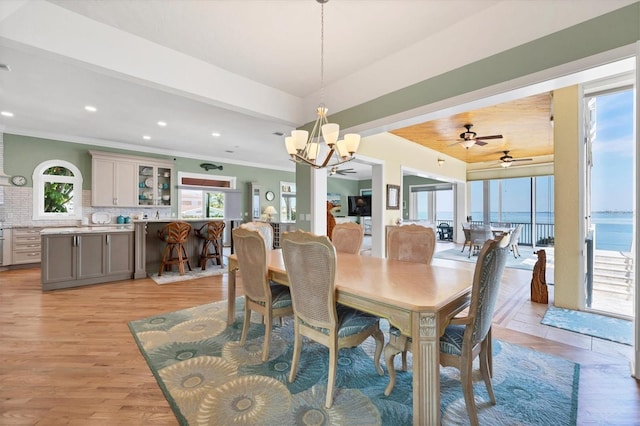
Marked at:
<point>269,195</point>
<point>18,180</point>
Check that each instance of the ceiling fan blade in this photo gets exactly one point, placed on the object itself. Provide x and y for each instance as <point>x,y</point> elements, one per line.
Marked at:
<point>522,159</point>
<point>489,137</point>
<point>480,143</point>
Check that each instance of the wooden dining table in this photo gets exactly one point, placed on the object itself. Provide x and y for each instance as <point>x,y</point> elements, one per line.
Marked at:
<point>418,299</point>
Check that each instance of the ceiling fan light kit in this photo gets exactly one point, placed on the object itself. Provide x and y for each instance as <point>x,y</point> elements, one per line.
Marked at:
<point>469,138</point>
<point>506,159</point>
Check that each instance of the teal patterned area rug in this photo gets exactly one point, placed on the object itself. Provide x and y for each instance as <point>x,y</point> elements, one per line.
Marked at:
<point>594,325</point>
<point>209,379</point>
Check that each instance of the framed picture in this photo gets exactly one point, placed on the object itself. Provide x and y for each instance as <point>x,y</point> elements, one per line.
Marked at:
<point>336,200</point>
<point>393,197</point>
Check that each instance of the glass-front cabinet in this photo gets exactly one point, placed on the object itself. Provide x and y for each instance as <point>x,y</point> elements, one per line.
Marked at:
<point>154,185</point>
<point>287,202</point>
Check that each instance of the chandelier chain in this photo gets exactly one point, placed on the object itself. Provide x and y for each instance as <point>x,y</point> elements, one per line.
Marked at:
<point>322,54</point>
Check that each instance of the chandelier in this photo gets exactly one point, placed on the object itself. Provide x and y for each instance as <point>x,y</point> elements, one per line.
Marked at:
<point>305,147</point>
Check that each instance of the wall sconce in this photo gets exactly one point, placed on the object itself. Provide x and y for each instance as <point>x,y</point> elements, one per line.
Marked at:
<point>440,161</point>
<point>270,211</point>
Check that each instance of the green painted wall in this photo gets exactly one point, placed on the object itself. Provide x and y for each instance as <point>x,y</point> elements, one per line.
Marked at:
<point>23,153</point>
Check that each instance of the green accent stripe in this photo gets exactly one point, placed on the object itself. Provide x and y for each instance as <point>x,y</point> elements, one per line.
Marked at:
<point>603,33</point>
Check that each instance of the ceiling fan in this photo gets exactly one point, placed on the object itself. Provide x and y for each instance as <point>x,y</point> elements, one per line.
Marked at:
<point>469,138</point>
<point>506,159</point>
<point>336,171</point>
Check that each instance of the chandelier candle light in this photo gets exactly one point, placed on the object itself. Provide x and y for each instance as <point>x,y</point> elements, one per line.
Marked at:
<point>304,147</point>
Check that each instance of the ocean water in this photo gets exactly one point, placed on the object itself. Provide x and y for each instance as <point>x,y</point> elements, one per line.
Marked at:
<point>614,230</point>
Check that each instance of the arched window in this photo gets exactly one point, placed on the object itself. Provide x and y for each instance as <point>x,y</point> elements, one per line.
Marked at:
<point>57,191</point>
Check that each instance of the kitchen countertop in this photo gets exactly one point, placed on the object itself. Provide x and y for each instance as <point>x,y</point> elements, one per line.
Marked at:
<point>173,219</point>
<point>87,229</point>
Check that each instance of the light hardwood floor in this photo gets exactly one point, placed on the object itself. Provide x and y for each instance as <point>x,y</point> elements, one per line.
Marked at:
<point>68,358</point>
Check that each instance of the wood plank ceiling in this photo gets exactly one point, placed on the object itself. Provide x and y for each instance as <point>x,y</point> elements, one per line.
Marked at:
<point>525,124</point>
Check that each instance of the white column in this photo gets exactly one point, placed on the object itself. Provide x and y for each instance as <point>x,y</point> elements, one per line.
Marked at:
<point>318,195</point>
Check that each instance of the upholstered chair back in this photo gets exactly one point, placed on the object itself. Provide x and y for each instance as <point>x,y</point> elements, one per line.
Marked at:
<point>411,243</point>
<point>251,251</point>
<point>311,265</point>
<point>264,228</point>
<point>347,237</point>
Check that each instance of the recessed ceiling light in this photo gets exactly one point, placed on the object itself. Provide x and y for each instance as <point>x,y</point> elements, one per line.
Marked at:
<point>90,108</point>
<point>146,137</point>
<point>7,113</point>
<point>162,123</point>
<point>215,134</point>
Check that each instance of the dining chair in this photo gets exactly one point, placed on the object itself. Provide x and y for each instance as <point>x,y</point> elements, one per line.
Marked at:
<point>479,234</point>
<point>411,243</point>
<point>513,243</point>
<point>264,228</point>
<point>211,234</point>
<point>175,235</point>
<point>347,237</point>
<point>310,261</point>
<point>260,294</point>
<point>466,230</point>
<point>467,337</point>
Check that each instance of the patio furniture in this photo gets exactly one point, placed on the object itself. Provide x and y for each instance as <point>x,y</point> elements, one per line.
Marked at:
<point>466,230</point>
<point>445,232</point>
<point>479,234</point>
<point>513,243</point>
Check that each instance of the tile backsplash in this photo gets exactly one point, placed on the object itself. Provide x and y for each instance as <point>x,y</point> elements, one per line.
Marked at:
<point>17,210</point>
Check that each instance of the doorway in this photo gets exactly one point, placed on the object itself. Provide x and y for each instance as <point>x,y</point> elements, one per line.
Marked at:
<point>610,189</point>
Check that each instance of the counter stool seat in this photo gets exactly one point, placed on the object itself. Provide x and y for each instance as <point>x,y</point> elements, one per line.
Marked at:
<point>211,233</point>
<point>175,235</point>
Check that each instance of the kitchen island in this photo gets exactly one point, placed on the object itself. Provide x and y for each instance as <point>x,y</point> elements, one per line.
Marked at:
<point>148,247</point>
<point>84,255</point>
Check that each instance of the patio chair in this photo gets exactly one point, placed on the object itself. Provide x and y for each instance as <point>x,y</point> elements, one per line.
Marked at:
<point>466,230</point>
<point>479,234</point>
<point>445,232</point>
<point>513,243</point>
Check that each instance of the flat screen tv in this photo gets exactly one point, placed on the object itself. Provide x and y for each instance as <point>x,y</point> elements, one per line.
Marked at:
<point>359,205</point>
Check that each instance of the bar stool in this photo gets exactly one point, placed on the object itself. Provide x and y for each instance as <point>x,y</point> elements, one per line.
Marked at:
<point>175,234</point>
<point>211,233</point>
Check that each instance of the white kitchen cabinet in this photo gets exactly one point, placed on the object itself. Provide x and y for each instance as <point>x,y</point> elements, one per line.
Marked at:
<point>154,184</point>
<point>113,181</point>
<point>129,181</point>
<point>25,246</point>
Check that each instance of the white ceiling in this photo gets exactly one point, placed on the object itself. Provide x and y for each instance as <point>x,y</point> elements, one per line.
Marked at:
<point>244,68</point>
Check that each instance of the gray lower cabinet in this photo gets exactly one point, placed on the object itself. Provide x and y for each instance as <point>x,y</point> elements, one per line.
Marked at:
<point>71,260</point>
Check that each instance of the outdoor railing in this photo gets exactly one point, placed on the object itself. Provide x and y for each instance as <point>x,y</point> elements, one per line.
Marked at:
<point>545,232</point>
